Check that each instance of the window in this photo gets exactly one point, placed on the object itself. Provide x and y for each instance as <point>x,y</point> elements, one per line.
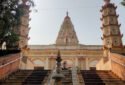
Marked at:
<point>111,20</point>
<point>108,42</point>
<point>116,42</point>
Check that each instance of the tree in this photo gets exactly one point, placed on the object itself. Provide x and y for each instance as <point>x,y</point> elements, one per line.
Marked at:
<point>7,18</point>
<point>123,2</point>
<point>10,13</point>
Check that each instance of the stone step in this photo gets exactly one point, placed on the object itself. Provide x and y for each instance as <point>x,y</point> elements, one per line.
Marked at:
<point>100,78</point>
<point>9,83</point>
<point>32,77</point>
<point>67,80</point>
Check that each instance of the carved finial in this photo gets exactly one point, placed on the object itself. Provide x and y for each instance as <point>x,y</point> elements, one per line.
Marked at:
<point>58,60</point>
<point>67,13</point>
<point>107,1</point>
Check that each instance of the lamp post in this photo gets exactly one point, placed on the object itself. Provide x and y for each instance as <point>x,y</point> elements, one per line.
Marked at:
<point>58,75</point>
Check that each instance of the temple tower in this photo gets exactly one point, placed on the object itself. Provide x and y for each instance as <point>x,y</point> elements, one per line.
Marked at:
<point>112,37</point>
<point>67,35</point>
<point>24,26</point>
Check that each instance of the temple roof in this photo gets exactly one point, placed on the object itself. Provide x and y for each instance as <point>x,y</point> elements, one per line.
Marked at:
<point>67,35</point>
<point>82,47</point>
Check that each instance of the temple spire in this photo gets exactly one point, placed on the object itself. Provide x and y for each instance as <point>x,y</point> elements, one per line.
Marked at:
<point>67,13</point>
<point>107,1</point>
<point>67,35</point>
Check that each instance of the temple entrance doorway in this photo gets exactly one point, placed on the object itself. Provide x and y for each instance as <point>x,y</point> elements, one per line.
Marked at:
<point>92,64</point>
<point>38,64</point>
<point>67,64</point>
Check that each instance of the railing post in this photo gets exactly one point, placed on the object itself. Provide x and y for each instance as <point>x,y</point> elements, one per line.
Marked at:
<point>75,76</point>
<point>50,81</point>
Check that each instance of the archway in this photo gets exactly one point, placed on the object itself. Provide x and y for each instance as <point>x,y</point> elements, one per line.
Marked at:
<point>68,63</point>
<point>38,64</point>
<point>92,64</point>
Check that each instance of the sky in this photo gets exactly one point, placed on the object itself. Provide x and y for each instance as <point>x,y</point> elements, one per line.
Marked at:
<point>85,16</point>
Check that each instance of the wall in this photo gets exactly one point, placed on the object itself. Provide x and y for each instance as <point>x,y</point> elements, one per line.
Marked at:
<point>26,63</point>
<point>103,65</point>
<point>115,63</point>
<point>9,64</point>
<point>118,65</point>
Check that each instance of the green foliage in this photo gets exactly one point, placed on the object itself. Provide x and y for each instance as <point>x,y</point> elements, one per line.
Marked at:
<point>10,13</point>
<point>13,37</point>
<point>8,19</point>
<point>123,2</point>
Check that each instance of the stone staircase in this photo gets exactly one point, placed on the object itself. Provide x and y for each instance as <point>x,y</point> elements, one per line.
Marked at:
<point>93,77</point>
<point>67,80</point>
<point>26,77</point>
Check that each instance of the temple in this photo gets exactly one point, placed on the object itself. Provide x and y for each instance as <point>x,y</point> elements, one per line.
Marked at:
<point>68,61</point>
<point>74,54</point>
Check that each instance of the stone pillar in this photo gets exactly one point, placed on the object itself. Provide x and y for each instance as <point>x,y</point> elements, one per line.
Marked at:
<point>81,63</point>
<point>87,63</point>
<point>76,61</point>
<point>47,63</point>
<point>52,63</point>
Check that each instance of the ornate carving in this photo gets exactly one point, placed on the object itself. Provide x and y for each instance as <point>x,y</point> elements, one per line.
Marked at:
<point>110,26</point>
<point>67,34</point>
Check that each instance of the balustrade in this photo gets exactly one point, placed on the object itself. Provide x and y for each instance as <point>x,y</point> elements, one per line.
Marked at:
<point>118,65</point>
<point>9,65</point>
<point>75,79</point>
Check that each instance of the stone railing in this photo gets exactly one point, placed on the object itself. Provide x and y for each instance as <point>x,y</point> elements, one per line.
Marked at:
<point>9,64</point>
<point>7,58</point>
<point>102,65</point>
<point>115,63</point>
<point>50,80</point>
<point>75,78</point>
<point>118,65</point>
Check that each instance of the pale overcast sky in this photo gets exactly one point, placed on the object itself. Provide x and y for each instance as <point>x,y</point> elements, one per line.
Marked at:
<point>85,16</point>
